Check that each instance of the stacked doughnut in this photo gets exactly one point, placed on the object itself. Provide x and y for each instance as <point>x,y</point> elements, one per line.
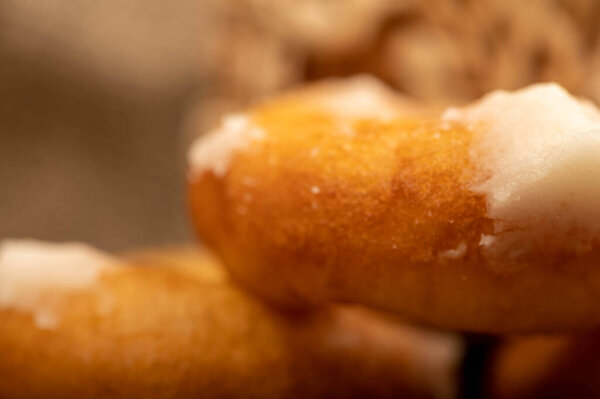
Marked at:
<point>78,323</point>
<point>483,218</point>
<point>322,203</point>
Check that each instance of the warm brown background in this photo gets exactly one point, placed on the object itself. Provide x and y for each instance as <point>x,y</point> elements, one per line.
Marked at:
<point>98,100</point>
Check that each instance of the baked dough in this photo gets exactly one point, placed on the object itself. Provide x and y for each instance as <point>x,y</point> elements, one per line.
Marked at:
<point>169,324</point>
<point>484,218</point>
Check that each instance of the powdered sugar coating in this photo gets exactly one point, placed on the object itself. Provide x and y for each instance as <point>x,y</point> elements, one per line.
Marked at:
<point>539,155</point>
<point>360,97</point>
<point>347,100</point>
<point>213,151</point>
<point>31,269</point>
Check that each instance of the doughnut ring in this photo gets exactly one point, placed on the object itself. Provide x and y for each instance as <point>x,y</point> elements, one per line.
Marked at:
<point>484,218</point>
<point>169,324</point>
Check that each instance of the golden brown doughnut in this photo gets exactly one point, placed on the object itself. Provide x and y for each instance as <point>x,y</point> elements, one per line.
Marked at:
<point>484,218</point>
<point>170,325</point>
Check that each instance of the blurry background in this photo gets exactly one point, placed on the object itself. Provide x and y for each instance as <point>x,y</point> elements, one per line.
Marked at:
<point>99,100</point>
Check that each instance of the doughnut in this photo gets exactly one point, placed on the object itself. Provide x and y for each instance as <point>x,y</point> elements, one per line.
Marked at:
<point>548,366</point>
<point>482,218</point>
<point>169,324</point>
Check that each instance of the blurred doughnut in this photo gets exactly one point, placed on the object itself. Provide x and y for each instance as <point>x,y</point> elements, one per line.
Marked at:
<point>484,218</point>
<point>78,323</point>
<point>563,366</point>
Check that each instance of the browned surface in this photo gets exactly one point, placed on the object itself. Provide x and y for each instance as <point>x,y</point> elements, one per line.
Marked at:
<point>392,198</point>
<point>177,328</point>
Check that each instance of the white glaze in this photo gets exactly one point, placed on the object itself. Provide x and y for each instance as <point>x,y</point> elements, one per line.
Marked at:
<point>30,270</point>
<point>359,97</point>
<point>455,253</point>
<point>539,157</point>
<point>213,151</point>
<point>347,99</point>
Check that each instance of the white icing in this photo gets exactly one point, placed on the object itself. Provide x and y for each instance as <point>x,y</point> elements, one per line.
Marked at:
<point>213,151</point>
<point>29,270</point>
<point>360,97</point>
<point>486,240</point>
<point>347,99</point>
<point>455,253</point>
<point>540,158</point>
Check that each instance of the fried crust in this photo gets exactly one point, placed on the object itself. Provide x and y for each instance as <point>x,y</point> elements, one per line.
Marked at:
<point>381,212</point>
<point>171,325</point>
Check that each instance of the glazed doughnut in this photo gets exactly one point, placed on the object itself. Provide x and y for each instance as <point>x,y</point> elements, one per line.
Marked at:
<point>552,366</point>
<point>78,323</point>
<point>483,218</point>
